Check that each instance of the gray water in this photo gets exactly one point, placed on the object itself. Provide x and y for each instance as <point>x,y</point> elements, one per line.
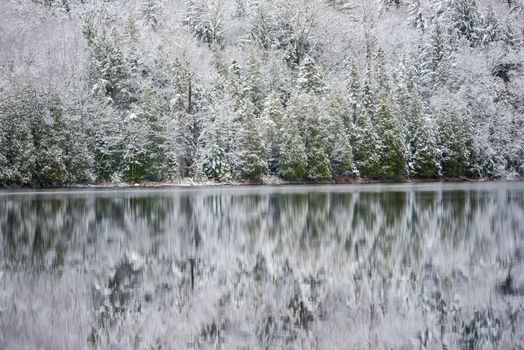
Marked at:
<point>305,267</point>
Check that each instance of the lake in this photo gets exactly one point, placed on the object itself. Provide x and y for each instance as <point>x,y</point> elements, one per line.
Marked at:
<point>425,266</point>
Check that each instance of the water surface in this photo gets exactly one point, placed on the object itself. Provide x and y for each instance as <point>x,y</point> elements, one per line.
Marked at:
<point>437,266</point>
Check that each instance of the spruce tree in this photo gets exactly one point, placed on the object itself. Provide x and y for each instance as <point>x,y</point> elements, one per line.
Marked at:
<point>272,122</point>
<point>253,89</point>
<point>19,109</point>
<point>184,129</point>
<point>339,148</point>
<point>391,147</point>
<point>293,159</point>
<point>353,93</point>
<point>303,108</point>
<point>48,132</point>
<point>152,11</point>
<point>453,142</point>
<point>309,77</point>
<point>252,156</point>
<point>366,147</point>
<point>391,151</point>
<point>416,17</point>
<point>424,162</point>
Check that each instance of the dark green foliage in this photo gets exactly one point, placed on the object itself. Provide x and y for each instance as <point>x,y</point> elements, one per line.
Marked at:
<point>252,156</point>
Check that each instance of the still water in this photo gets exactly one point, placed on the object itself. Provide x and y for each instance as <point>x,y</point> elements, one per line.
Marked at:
<point>437,266</point>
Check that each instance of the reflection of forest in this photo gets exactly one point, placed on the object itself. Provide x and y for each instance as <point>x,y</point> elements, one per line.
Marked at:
<point>265,270</point>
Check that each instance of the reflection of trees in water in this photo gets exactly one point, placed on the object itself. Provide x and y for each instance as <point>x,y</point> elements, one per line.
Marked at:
<point>273,270</point>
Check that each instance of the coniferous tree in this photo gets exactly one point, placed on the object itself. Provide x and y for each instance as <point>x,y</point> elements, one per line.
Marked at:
<point>272,122</point>
<point>465,18</point>
<point>48,131</point>
<point>366,145</point>
<point>353,90</point>
<point>391,151</point>
<point>234,85</point>
<point>19,109</point>
<point>309,78</point>
<point>253,89</point>
<point>318,165</point>
<point>184,124</point>
<point>293,159</point>
<point>214,145</point>
<point>391,146</point>
<point>339,148</point>
<point>425,163</point>
<point>252,160</point>
<point>416,17</point>
<point>152,11</point>
<point>453,142</point>
<point>423,154</point>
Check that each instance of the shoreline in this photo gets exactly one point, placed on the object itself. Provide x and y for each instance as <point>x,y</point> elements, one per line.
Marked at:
<point>267,181</point>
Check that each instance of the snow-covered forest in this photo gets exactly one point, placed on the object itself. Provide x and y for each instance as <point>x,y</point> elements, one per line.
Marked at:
<point>160,90</point>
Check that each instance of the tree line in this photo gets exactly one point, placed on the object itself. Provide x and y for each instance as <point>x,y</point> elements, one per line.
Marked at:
<point>144,115</point>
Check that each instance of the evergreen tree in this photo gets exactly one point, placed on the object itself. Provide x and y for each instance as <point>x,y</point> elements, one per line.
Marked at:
<point>438,55</point>
<point>152,11</point>
<point>19,109</point>
<point>48,133</point>
<point>252,158</point>
<point>303,110</point>
<point>339,148</point>
<point>184,124</point>
<point>354,98</point>
<point>391,151</point>
<point>272,122</point>
<point>465,18</point>
<point>253,89</point>
<point>425,163</point>
<point>416,17</point>
<point>234,85</point>
<point>489,30</point>
<point>204,19</point>
<point>423,160</point>
<point>108,139</point>
<point>309,78</point>
<point>213,143</point>
<point>453,142</point>
<point>293,159</point>
<point>365,140</point>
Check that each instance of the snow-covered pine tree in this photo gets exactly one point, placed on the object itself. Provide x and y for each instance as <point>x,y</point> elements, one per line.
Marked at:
<point>423,153</point>
<point>303,109</point>
<point>252,160</point>
<point>416,16</point>
<point>152,12</point>
<point>48,133</point>
<point>205,19</point>
<point>272,119</point>
<point>309,78</point>
<point>339,148</point>
<point>234,85</point>
<point>453,141</point>
<point>214,143</point>
<point>293,159</point>
<point>19,109</point>
<point>392,151</point>
<point>184,139</point>
<point>253,88</point>
<point>424,162</point>
<point>464,17</point>
<point>353,93</point>
<point>489,30</point>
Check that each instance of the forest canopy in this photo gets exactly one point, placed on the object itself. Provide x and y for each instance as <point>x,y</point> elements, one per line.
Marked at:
<point>161,90</point>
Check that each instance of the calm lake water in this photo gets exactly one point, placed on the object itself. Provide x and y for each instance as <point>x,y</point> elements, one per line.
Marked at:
<point>437,266</point>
